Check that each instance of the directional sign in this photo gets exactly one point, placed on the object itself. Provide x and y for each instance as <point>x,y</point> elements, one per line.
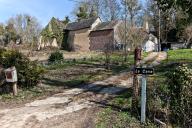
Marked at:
<point>144,71</point>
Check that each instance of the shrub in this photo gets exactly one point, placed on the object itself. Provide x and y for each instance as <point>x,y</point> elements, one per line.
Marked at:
<point>180,91</point>
<point>29,73</point>
<point>56,57</point>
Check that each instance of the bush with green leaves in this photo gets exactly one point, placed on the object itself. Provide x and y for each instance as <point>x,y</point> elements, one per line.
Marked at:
<point>180,92</point>
<point>56,57</point>
<point>29,73</point>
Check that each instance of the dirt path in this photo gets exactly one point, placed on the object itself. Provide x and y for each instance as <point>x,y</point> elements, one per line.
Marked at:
<point>160,57</point>
<point>40,56</point>
<point>68,103</point>
<point>154,59</point>
<point>74,108</point>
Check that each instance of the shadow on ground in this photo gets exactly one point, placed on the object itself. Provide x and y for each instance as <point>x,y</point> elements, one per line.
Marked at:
<point>97,87</point>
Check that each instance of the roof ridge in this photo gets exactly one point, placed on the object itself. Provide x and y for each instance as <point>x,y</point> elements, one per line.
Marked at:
<point>106,25</point>
<point>83,20</point>
<point>85,23</point>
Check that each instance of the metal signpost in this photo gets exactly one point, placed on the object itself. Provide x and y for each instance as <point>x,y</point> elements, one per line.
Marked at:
<point>143,98</point>
<point>144,72</point>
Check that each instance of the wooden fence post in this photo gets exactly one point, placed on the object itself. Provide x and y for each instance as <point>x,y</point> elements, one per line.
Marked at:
<point>15,89</point>
<point>135,96</point>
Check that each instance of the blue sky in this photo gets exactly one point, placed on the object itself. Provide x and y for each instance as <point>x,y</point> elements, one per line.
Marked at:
<point>43,10</point>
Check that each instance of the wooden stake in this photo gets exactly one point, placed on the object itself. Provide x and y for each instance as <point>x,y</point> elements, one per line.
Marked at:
<point>135,91</point>
<point>15,89</point>
<point>135,98</point>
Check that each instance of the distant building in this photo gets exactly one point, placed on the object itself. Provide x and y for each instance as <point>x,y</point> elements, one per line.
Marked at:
<point>151,43</point>
<point>93,35</point>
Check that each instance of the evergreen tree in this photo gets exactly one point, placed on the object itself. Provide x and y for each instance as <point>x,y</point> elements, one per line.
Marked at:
<point>66,20</point>
<point>83,12</point>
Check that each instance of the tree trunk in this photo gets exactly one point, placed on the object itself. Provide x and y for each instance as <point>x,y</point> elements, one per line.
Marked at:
<point>188,43</point>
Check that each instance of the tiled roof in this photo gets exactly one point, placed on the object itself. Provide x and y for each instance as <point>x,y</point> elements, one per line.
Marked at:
<point>106,25</point>
<point>81,24</point>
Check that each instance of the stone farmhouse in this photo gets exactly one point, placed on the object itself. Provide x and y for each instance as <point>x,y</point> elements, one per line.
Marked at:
<point>88,35</point>
<point>78,34</point>
<point>91,34</point>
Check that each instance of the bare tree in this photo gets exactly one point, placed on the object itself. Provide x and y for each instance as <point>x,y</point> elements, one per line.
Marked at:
<point>95,4</point>
<point>133,8</point>
<point>106,9</point>
<point>132,36</point>
<point>26,26</point>
<point>122,34</point>
<point>108,50</point>
<point>136,36</point>
<point>110,10</point>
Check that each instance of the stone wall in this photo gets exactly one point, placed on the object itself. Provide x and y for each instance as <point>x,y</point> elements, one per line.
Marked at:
<point>79,39</point>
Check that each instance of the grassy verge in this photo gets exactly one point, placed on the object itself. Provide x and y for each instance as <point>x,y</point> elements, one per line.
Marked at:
<point>26,95</point>
<point>158,88</point>
<point>180,55</point>
<point>116,59</point>
<point>117,114</point>
<point>71,73</point>
<point>84,71</point>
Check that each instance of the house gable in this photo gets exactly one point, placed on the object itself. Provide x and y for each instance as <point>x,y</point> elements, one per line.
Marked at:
<point>104,33</point>
<point>78,34</point>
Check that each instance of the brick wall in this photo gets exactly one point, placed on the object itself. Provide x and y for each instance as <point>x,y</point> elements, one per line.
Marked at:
<point>79,39</point>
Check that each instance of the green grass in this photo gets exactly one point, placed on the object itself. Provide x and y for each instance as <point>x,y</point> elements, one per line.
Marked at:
<point>117,114</point>
<point>145,54</point>
<point>180,55</point>
<point>174,56</point>
<point>27,94</point>
<point>116,60</point>
<point>81,79</point>
<point>158,82</point>
<point>61,65</point>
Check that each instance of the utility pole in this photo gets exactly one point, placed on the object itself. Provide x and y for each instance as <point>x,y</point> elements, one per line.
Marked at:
<point>159,42</point>
<point>125,36</point>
